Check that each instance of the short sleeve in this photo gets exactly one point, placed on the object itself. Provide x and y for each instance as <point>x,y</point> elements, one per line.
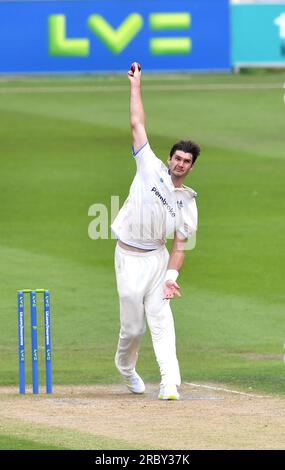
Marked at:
<point>186,231</point>
<point>145,158</point>
<point>188,223</point>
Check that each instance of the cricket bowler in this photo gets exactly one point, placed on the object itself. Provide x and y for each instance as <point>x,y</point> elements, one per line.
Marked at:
<point>159,206</point>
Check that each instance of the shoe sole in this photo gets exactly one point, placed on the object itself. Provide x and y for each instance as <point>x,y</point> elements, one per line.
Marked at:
<point>171,397</point>
<point>136,393</point>
<point>132,391</point>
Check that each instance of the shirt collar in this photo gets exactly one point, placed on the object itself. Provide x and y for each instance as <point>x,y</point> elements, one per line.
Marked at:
<point>187,189</point>
<point>184,188</point>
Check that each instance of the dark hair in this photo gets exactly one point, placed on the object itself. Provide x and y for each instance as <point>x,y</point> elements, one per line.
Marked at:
<point>187,146</point>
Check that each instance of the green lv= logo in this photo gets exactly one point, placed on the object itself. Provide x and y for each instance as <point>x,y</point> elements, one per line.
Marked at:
<point>115,39</point>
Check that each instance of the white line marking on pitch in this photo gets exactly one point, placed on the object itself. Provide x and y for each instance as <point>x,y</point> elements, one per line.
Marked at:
<point>225,390</point>
<point>118,88</point>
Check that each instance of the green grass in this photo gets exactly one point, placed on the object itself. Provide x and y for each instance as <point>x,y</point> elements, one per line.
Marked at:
<point>13,443</point>
<point>22,436</point>
<point>63,152</point>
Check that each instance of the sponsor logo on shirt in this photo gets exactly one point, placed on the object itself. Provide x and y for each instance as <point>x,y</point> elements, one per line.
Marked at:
<point>164,201</point>
<point>180,204</point>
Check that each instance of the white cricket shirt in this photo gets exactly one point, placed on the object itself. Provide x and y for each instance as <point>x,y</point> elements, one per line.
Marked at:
<point>155,209</point>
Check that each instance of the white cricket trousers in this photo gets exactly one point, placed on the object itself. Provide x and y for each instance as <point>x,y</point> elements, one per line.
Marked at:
<point>140,280</point>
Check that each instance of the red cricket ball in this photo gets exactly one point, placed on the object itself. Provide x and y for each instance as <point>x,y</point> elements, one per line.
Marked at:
<point>133,67</point>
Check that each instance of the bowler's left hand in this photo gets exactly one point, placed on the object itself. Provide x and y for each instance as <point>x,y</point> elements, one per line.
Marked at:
<point>171,289</point>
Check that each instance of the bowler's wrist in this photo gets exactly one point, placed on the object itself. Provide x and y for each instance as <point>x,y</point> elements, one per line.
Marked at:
<point>136,85</point>
<point>171,275</point>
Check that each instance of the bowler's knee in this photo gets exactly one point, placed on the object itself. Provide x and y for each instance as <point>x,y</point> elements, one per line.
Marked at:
<point>132,332</point>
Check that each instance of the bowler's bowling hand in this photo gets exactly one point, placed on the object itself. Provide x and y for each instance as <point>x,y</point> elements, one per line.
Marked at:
<point>171,289</point>
<point>134,74</point>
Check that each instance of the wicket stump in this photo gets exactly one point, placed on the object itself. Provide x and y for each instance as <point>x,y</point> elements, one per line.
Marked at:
<point>34,339</point>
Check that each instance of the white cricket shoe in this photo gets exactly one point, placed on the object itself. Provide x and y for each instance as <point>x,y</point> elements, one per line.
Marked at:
<point>134,383</point>
<point>168,392</point>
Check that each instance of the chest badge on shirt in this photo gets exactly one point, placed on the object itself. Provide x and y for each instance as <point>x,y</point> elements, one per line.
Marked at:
<point>180,204</point>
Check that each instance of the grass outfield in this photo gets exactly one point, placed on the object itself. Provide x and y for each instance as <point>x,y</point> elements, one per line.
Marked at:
<point>64,150</point>
<point>13,443</point>
<point>15,435</point>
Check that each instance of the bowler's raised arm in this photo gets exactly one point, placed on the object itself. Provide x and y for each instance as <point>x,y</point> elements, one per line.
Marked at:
<point>137,116</point>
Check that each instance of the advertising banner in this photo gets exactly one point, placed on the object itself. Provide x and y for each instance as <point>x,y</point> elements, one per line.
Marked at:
<point>107,35</point>
<point>258,35</point>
